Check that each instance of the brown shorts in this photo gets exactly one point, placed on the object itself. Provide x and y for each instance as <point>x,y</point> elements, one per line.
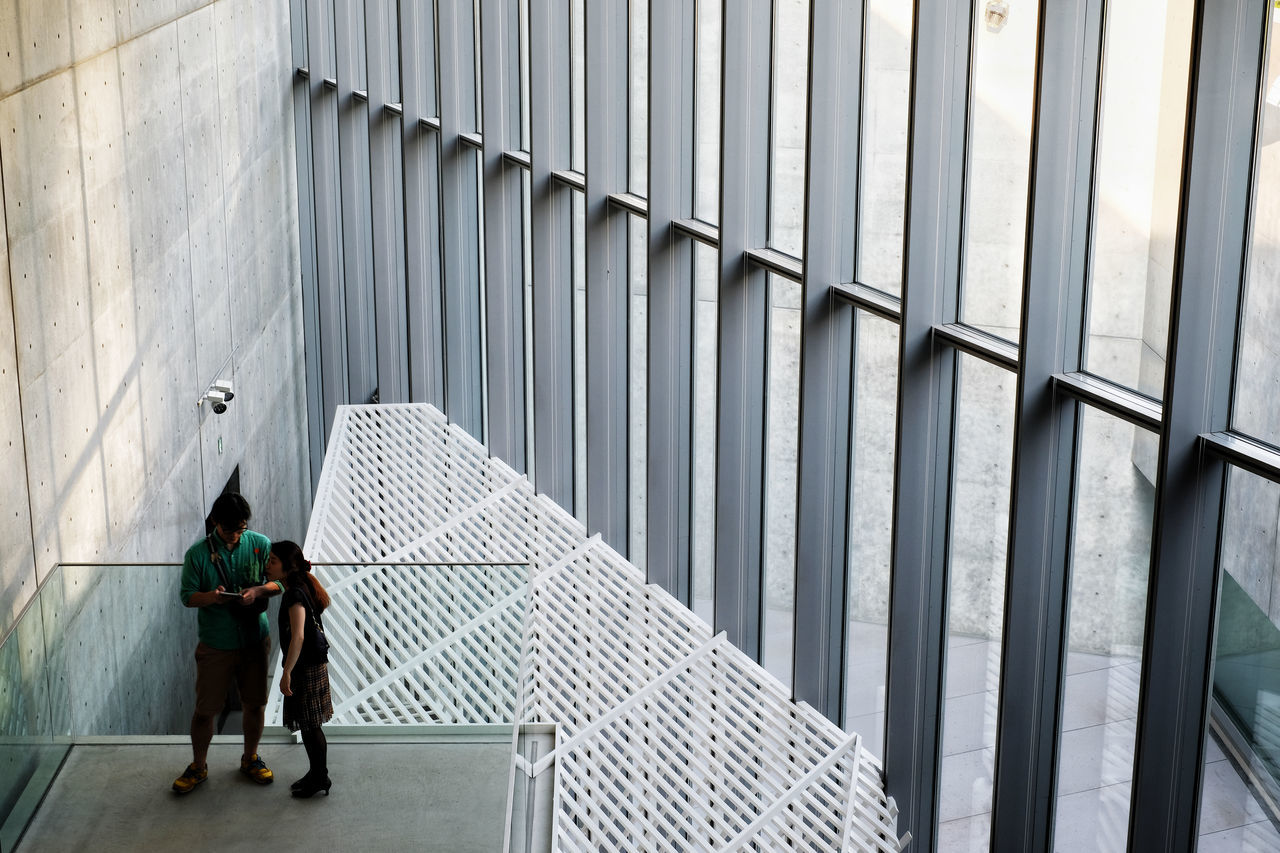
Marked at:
<point>215,668</point>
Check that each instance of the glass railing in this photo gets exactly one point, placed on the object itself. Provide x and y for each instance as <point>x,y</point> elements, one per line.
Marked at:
<point>107,650</point>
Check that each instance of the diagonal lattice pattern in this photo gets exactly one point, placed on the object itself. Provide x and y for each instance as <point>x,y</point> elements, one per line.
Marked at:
<point>667,737</point>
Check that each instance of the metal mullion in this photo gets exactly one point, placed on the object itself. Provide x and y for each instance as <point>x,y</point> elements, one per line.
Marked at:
<point>570,178</point>
<point>826,343</point>
<point>331,309</point>
<point>704,232</point>
<point>356,210</point>
<point>631,202</point>
<point>551,223</point>
<point>1209,266</point>
<point>1116,400</point>
<point>741,430</point>
<point>459,204</point>
<point>926,388</point>
<point>518,158</point>
<point>608,285</point>
<point>778,263</point>
<point>420,148</point>
<point>503,233</point>
<point>304,163</point>
<point>386,165</point>
<point>669,455</point>
<point>1242,452</point>
<point>1045,427</point>
<point>869,299</point>
<point>978,343</point>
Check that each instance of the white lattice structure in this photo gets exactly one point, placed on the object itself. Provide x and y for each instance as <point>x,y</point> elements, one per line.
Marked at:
<point>666,737</point>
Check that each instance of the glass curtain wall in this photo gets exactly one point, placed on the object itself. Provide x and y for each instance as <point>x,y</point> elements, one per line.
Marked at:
<point>1078,243</point>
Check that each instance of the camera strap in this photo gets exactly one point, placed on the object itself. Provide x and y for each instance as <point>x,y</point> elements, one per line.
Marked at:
<point>216,559</point>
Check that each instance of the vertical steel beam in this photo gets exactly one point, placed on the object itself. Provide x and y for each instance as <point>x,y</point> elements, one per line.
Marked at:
<point>304,164</point>
<point>424,326</point>
<point>1209,266</point>
<point>332,337</point>
<point>744,318</point>
<point>917,610</point>
<point>354,179</point>
<point>608,282</point>
<point>1036,596</point>
<point>460,207</point>
<point>503,231</point>
<point>551,214</point>
<point>386,172</point>
<point>822,514</point>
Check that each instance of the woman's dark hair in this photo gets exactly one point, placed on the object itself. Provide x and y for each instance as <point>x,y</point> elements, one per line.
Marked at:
<point>297,571</point>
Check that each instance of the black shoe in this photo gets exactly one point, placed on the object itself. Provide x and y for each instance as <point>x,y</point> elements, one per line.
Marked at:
<point>312,786</point>
<point>300,782</point>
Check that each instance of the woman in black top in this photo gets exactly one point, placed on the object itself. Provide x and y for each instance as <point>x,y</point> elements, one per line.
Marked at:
<point>304,674</point>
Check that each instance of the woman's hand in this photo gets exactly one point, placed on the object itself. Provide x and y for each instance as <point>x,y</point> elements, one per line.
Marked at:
<point>284,685</point>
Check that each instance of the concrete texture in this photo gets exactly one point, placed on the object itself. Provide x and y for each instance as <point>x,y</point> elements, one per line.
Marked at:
<point>151,247</point>
<point>442,797</point>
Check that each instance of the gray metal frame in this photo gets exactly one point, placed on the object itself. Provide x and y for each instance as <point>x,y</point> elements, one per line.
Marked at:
<point>670,281</point>
<point>608,280</point>
<point>926,387</point>
<point>827,342</point>
<point>744,316</point>
<point>1173,704</point>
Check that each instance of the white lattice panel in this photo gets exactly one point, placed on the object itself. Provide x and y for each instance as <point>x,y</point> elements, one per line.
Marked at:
<point>667,738</point>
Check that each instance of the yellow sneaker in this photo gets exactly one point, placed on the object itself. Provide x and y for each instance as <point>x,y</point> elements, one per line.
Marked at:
<point>191,777</point>
<point>256,769</point>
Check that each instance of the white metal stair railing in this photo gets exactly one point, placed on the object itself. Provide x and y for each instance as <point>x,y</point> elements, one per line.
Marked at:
<point>667,737</point>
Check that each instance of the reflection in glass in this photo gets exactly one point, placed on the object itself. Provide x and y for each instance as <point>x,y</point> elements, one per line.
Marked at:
<point>875,404</point>
<point>883,169</point>
<point>1242,803</point>
<point>706,114</point>
<point>998,166</point>
<point>577,88</point>
<point>1256,409</point>
<point>982,468</point>
<point>1137,180</point>
<point>789,131</point>
<point>782,426</point>
<point>706,319</point>
<point>638,97</point>
<point>1110,563</point>
<point>638,371</point>
<point>579,356</point>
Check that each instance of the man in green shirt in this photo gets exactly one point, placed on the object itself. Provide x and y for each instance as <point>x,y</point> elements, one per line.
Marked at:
<point>223,575</point>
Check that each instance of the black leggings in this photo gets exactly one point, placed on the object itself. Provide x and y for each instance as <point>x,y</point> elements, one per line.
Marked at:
<point>317,752</point>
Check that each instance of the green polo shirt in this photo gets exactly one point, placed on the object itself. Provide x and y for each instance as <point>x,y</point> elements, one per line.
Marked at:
<point>245,566</point>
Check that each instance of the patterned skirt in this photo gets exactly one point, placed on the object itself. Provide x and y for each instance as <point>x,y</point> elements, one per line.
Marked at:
<point>310,706</point>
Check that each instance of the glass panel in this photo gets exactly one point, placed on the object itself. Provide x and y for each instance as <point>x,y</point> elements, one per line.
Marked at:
<point>577,87</point>
<point>1110,564</point>
<point>982,467</point>
<point>579,356</point>
<point>883,170</point>
<point>706,115</point>
<point>526,266</point>
<point>1004,60</point>
<point>478,74</point>
<point>638,367</point>
<point>706,327</point>
<point>29,758</point>
<point>782,429</point>
<point>788,116</point>
<point>525,131</point>
<point>1136,189</point>
<point>638,97</point>
<point>1256,409</point>
<point>875,406</point>
<point>1238,808</point>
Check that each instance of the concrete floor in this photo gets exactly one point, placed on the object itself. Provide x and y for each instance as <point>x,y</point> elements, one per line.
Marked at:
<point>423,797</point>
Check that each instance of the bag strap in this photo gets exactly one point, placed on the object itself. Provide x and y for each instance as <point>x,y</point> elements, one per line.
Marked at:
<point>216,559</point>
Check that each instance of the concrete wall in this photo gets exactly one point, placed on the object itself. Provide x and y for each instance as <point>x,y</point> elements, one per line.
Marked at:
<point>150,211</point>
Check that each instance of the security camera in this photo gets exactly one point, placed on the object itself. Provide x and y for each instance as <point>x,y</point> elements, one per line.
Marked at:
<point>219,400</point>
<point>224,387</point>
